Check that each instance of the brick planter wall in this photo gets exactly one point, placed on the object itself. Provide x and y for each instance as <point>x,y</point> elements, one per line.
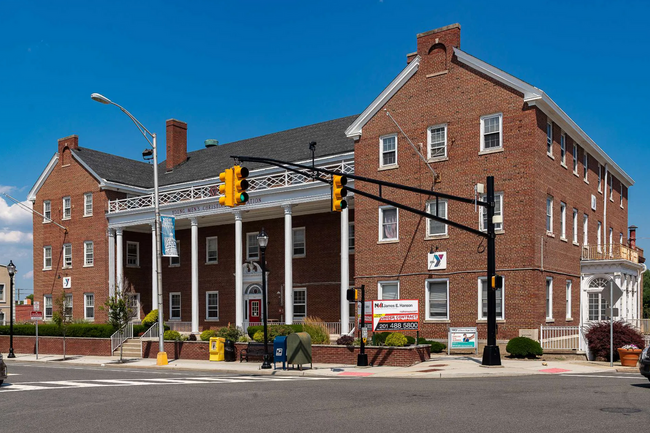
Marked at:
<point>54,345</point>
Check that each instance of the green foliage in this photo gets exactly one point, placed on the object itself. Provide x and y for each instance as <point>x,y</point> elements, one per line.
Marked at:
<point>317,330</point>
<point>524,347</point>
<point>87,330</point>
<point>229,333</point>
<point>396,339</point>
<point>119,309</point>
<point>646,294</point>
<point>437,347</point>
<point>379,339</point>
<point>139,330</point>
<point>172,335</point>
<point>410,340</point>
<point>244,339</point>
<point>150,318</point>
<point>295,328</point>
<point>259,336</point>
<point>30,297</point>
<point>207,334</point>
<point>598,338</point>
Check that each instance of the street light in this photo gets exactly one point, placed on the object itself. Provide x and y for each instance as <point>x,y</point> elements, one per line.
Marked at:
<point>263,241</point>
<point>11,268</point>
<point>162,355</point>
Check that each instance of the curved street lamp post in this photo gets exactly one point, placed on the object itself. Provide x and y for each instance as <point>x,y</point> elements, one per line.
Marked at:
<point>11,269</point>
<point>262,242</point>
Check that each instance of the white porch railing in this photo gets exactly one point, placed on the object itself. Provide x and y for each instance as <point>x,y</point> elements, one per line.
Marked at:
<point>189,194</point>
<point>120,336</point>
<point>609,252</point>
<point>642,325</point>
<point>560,337</point>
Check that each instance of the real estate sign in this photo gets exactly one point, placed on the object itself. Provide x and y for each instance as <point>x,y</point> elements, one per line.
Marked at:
<point>395,315</point>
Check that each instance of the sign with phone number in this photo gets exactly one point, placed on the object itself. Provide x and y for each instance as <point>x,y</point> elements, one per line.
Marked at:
<point>395,315</point>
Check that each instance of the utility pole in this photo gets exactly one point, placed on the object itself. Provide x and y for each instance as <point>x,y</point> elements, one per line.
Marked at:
<point>491,353</point>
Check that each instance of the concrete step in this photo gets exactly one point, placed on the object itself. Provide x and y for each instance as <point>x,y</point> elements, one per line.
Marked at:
<point>131,348</point>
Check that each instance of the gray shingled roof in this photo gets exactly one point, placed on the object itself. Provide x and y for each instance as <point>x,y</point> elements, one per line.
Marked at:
<point>290,145</point>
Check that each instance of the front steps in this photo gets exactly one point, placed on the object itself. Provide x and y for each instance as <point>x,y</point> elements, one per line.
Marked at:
<point>132,348</point>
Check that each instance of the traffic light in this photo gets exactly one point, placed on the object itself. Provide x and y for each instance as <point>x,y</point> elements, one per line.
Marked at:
<point>497,282</point>
<point>240,184</point>
<point>352,295</point>
<point>226,189</point>
<point>339,192</point>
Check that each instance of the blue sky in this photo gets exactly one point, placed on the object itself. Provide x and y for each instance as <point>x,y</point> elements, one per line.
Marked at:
<point>234,70</point>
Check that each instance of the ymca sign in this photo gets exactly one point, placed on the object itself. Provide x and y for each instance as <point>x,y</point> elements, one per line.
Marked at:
<point>437,260</point>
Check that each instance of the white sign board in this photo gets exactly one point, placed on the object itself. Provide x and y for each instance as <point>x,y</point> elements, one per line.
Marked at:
<point>37,306</point>
<point>368,316</point>
<point>437,260</point>
<point>37,315</point>
<point>463,338</point>
<point>67,282</point>
<point>395,315</point>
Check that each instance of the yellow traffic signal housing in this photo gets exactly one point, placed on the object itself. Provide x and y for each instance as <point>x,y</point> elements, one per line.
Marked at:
<point>339,192</point>
<point>352,295</point>
<point>226,189</point>
<point>497,282</point>
<point>240,185</point>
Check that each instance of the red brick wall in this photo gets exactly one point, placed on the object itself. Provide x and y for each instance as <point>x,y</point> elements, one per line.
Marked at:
<point>54,345</point>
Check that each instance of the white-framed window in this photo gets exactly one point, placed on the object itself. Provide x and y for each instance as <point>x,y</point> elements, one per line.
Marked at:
<point>437,299</point>
<point>299,242</point>
<point>585,229</point>
<point>351,237</point>
<point>575,225</point>
<point>47,302</point>
<point>563,149</point>
<point>47,258</point>
<point>598,306</point>
<point>549,138</point>
<point>132,254</point>
<point>575,158</point>
<point>388,223</point>
<point>600,178</point>
<point>621,194</point>
<point>437,136</point>
<point>252,247</point>
<point>67,208</point>
<point>2,293</point>
<point>67,306</point>
<point>585,166</point>
<point>549,298</point>
<point>599,236</point>
<point>212,305</point>
<point>620,238</point>
<point>562,220</point>
<point>388,150</point>
<point>437,228</point>
<point>388,290</point>
<point>211,249</point>
<point>89,254</point>
<point>549,214</point>
<point>569,285</point>
<point>483,300</point>
<point>89,306</point>
<point>299,303</point>
<point>88,204</point>
<point>491,127</point>
<point>611,240</point>
<point>611,187</point>
<point>498,210</point>
<point>67,256</point>
<point>175,306</point>
<point>176,261</point>
<point>47,211</point>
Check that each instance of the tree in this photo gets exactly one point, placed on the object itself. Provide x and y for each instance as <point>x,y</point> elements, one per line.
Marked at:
<point>646,294</point>
<point>120,309</point>
<point>60,317</point>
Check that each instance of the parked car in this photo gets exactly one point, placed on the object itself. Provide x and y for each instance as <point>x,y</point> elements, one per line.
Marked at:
<point>644,362</point>
<point>3,370</point>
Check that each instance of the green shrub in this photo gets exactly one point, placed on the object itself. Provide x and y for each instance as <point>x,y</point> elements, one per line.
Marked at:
<point>423,340</point>
<point>437,347</point>
<point>524,347</point>
<point>396,339</point>
<point>87,330</point>
<point>379,339</point>
<point>229,333</point>
<point>317,330</point>
<point>139,330</point>
<point>172,335</point>
<point>259,336</point>
<point>598,338</point>
<point>410,340</point>
<point>244,339</point>
<point>150,318</point>
<point>207,334</point>
<point>296,327</point>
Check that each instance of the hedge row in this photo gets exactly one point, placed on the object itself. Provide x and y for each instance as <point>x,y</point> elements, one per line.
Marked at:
<point>89,330</point>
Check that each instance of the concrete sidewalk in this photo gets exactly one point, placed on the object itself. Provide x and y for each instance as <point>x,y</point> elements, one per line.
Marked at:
<point>439,366</point>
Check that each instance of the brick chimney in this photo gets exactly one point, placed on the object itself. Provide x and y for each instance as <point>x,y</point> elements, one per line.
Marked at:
<point>436,48</point>
<point>632,238</point>
<point>176,143</point>
<point>65,145</point>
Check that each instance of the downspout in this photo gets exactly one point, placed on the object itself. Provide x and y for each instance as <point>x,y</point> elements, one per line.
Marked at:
<point>605,233</point>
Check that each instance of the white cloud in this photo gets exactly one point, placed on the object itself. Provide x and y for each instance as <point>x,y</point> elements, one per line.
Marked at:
<point>29,275</point>
<point>14,214</point>
<point>8,236</point>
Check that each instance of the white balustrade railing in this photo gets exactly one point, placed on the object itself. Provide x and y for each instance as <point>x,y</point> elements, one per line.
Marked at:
<point>283,179</point>
<point>560,337</point>
<point>120,336</point>
<point>179,326</point>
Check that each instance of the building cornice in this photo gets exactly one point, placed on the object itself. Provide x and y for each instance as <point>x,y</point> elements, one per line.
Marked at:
<point>43,177</point>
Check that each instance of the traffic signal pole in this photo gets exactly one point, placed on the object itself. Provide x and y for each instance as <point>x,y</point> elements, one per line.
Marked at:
<point>491,355</point>
<point>362,357</point>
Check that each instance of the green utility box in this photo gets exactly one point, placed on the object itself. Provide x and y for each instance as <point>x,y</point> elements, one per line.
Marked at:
<point>299,349</point>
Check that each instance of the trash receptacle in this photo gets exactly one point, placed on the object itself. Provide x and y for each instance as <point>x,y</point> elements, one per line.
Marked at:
<point>229,351</point>
<point>280,351</point>
<point>216,348</point>
<point>299,349</point>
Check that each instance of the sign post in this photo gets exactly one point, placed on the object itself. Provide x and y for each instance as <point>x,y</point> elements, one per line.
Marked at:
<point>36,316</point>
<point>462,338</point>
<point>362,359</point>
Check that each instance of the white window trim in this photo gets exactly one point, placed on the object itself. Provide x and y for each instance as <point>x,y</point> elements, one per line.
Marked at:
<point>438,157</point>
<point>45,315</point>
<point>351,246</point>
<point>430,204</point>
<point>137,254</point>
<point>46,219</point>
<point>2,293</point>
<point>45,266</point>
<point>611,187</point>
<point>585,229</point>
<point>88,197</point>
<point>569,289</point>
<point>299,289</point>
<point>381,151</point>
<point>563,221</point>
<point>585,166</point>
<point>480,299</point>
<point>178,258</point>
<point>207,316</point>
<point>64,256</point>
<point>180,306</point>
<point>549,296</point>
<point>86,265</point>
<point>427,313</point>
<point>575,226</point>
<point>248,256</point>
<point>549,214</point>
<point>69,208</point>
<point>621,195</point>
<point>563,149</point>
<point>483,149</point>
<point>68,296</point>
<point>207,250</point>
<point>600,178</point>
<point>481,210</point>
<point>380,288</point>
<point>293,242</point>
<point>599,236</point>
<point>575,158</point>
<point>381,224</point>
<point>549,138</point>
<point>86,295</point>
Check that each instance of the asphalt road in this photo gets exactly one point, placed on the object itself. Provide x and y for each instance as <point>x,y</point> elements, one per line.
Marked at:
<point>53,398</point>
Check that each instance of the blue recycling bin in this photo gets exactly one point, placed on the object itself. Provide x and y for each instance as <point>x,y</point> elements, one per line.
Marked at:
<point>280,351</point>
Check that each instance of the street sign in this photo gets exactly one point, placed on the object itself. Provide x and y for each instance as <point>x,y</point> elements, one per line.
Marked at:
<point>67,282</point>
<point>37,315</point>
<point>616,291</point>
<point>37,306</point>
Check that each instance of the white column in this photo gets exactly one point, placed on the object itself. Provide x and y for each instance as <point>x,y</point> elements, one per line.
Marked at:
<point>345,271</point>
<point>239,293</point>
<point>288,265</point>
<point>154,277</point>
<point>195,276</point>
<point>111,262</point>
<point>120,260</point>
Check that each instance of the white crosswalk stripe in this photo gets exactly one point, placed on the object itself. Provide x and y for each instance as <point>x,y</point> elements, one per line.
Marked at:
<point>198,380</point>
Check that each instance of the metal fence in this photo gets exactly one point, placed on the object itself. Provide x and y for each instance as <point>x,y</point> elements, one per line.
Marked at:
<point>120,336</point>
<point>561,337</point>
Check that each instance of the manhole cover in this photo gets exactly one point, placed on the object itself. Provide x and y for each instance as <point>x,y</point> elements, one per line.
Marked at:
<point>623,410</point>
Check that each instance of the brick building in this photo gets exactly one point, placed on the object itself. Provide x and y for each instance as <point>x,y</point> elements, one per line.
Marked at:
<point>446,122</point>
